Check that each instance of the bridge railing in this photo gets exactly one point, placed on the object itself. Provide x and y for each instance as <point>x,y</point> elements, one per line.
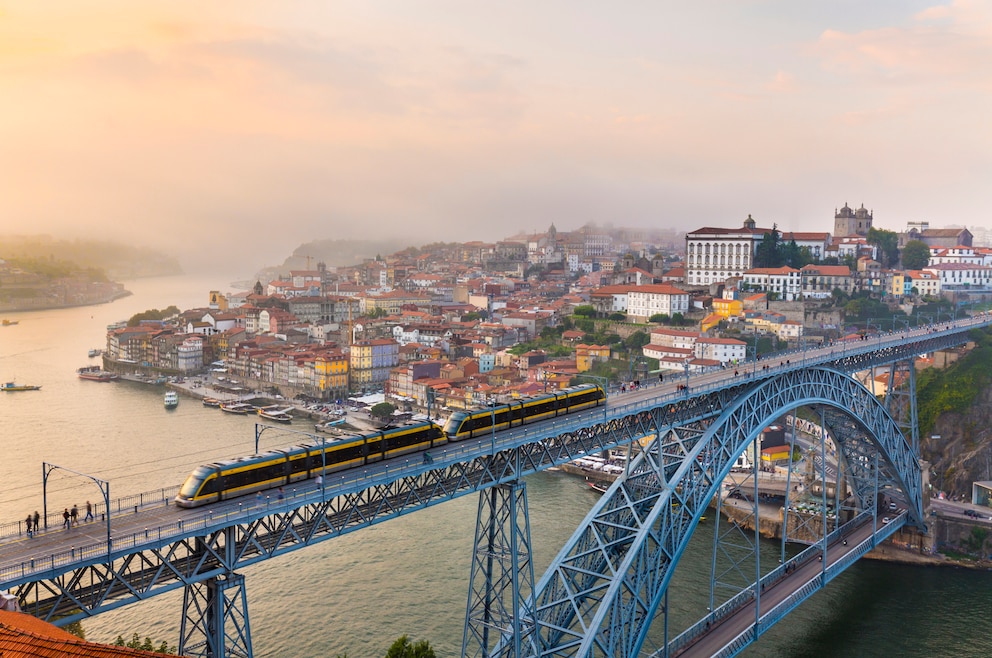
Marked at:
<point>124,504</point>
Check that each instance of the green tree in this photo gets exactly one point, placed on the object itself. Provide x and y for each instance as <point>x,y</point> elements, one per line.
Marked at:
<point>147,645</point>
<point>617,317</point>
<point>659,318</point>
<point>403,648</point>
<point>768,254</point>
<point>887,243</point>
<point>915,255</point>
<point>636,341</point>
<point>383,411</point>
<point>152,314</point>
<point>584,311</point>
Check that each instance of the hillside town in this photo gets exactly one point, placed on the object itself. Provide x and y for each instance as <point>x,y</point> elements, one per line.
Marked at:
<point>461,325</point>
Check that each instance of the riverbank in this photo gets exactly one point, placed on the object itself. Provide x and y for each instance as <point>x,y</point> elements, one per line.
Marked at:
<point>47,305</point>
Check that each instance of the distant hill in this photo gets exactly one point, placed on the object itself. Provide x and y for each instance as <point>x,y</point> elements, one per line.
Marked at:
<point>117,260</point>
<point>335,253</point>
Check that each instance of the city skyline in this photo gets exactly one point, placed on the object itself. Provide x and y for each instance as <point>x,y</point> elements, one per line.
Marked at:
<point>236,131</point>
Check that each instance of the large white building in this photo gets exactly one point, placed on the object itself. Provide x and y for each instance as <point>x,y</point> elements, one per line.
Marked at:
<point>961,275</point>
<point>654,299</point>
<point>713,255</point>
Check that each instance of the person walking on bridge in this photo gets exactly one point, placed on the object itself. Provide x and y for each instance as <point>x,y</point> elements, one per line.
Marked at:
<point>75,515</point>
<point>65,518</point>
<point>37,518</point>
<point>89,512</point>
<point>27,523</point>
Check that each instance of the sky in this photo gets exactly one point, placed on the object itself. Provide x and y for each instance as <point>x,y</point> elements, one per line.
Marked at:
<point>235,130</point>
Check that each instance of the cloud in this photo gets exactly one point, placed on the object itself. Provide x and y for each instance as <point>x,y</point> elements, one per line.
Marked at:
<point>948,45</point>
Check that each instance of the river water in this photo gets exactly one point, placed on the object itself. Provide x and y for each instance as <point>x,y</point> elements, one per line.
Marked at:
<point>358,593</point>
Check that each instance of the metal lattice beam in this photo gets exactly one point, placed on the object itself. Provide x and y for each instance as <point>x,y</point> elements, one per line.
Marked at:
<point>601,593</point>
<point>501,586</point>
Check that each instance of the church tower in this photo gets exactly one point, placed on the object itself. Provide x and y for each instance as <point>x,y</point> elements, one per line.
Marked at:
<point>852,222</point>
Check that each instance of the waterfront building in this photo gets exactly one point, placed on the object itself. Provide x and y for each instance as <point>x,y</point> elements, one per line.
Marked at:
<point>370,362</point>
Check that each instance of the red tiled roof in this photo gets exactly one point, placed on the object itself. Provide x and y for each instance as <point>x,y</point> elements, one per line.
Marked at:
<point>24,636</point>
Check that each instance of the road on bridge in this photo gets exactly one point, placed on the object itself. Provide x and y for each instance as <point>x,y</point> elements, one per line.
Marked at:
<point>723,631</point>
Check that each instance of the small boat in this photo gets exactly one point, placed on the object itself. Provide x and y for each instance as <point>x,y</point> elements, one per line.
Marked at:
<point>10,323</point>
<point>236,407</point>
<point>278,416</point>
<point>96,374</point>
<point>211,402</point>
<point>94,352</point>
<point>329,426</point>
<point>11,387</point>
<point>171,400</point>
<point>597,486</point>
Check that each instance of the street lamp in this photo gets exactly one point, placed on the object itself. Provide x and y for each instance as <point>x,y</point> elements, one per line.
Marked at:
<point>104,485</point>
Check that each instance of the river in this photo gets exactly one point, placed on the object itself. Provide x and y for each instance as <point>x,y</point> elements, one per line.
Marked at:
<point>358,593</point>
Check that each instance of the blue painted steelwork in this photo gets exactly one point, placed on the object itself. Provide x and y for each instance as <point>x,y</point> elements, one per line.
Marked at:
<point>502,580</point>
<point>603,590</point>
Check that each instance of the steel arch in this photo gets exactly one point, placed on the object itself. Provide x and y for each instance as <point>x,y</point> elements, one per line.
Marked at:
<point>601,593</point>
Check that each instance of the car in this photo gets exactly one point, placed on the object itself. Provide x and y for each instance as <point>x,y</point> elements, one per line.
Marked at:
<point>893,507</point>
<point>886,519</point>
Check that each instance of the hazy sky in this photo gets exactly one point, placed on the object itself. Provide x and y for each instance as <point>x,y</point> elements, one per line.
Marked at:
<point>253,126</point>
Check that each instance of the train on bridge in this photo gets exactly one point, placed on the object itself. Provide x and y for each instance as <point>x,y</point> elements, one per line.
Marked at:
<point>242,476</point>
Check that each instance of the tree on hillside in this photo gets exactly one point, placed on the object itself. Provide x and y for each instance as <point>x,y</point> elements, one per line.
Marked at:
<point>403,648</point>
<point>584,311</point>
<point>768,254</point>
<point>795,256</point>
<point>147,645</point>
<point>887,243</point>
<point>915,255</point>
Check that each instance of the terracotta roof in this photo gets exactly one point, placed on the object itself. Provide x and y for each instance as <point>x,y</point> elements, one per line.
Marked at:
<point>24,636</point>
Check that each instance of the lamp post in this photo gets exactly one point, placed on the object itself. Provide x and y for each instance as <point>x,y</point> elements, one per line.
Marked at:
<point>492,411</point>
<point>104,485</point>
<point>685,364</point>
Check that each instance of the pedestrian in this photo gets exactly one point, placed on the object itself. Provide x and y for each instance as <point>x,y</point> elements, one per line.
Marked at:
<point>65,518</point>
<point>89,512</point>
<point>75,515</point>
<point>319,481</point>
<point>37,518</point>
<point>282,494</point>
<point>661,378</point>
<point>27,522</point>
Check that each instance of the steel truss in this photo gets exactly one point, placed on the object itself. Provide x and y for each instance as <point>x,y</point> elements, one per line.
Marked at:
<point>603,590</point>
<point>501,587</point>
<point>79,590</point>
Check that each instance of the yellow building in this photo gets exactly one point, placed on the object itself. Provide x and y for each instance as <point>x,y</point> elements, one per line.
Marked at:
<point>331,373</point>
<point>586,355</point>
<point>728,308</point>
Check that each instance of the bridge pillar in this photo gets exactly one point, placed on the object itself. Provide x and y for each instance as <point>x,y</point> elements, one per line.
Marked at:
<point>215,622</point>
<point>215,611</point>
<point>501,586</point>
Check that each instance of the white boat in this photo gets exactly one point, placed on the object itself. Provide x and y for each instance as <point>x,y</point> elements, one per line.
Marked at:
<point>278,416</point>
<point>171,399</point>
<point>236,407</point>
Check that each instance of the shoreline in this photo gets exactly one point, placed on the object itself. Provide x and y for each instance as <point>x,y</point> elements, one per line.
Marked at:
<point>55,307</point>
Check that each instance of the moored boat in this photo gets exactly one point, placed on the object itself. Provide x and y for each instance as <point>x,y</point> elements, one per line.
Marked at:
<point>96,374</point>
<point>12,387</point>
<point>276,415</point>
<point>171,399</point>
<point>236,407</point>
<point>94,352</point>
<point>211,402</point>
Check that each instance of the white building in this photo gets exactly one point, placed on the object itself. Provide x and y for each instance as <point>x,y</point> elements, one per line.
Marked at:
<point>715,254</point>
<point>927,284</point>
<point>654,299</point>
<point>724,350</point>
<point>961,275</point>
<point>785,281</point>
